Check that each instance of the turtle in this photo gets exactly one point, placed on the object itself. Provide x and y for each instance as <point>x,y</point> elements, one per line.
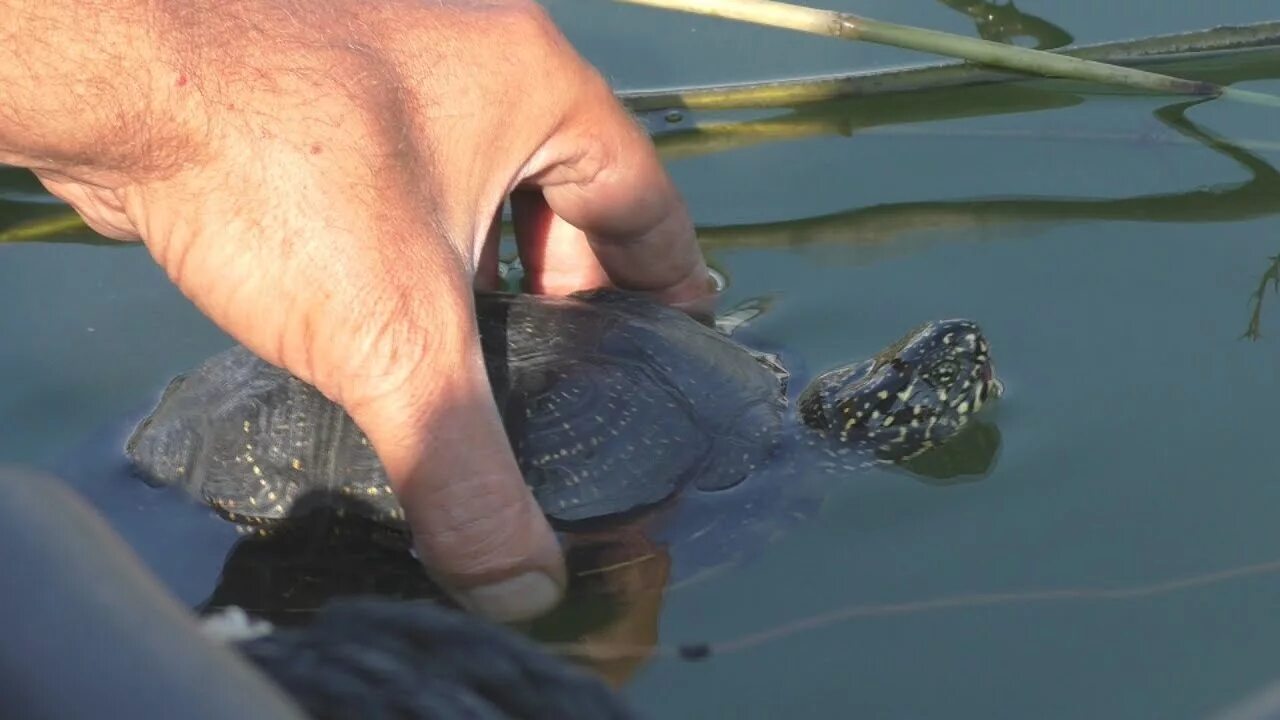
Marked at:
<point>612,402</point>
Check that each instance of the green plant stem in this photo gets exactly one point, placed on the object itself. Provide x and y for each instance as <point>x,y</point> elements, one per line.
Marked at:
<point>852,27</point>
<point>1158,50</point>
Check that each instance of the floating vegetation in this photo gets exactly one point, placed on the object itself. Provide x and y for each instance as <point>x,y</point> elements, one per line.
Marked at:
<point>846,26</point>
<point>1269,277</point>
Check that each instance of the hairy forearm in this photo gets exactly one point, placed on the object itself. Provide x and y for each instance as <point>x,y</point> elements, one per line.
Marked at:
<point>77,80</point>
<point>137,86</point>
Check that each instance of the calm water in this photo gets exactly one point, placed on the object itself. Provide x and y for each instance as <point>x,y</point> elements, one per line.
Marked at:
<point>1113,261</point>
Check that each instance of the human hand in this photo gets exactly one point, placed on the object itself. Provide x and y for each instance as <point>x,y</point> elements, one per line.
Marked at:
<point>323,179</point>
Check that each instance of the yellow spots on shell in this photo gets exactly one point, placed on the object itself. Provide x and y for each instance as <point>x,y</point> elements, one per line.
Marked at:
<point>247,427</point>
<point>883,394</point>
<point>296,463</point>
<point>257,471</point>
<point>963,407</point>
<point>888,420</point>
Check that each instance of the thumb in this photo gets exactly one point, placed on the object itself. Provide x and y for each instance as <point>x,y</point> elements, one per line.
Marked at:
<point>475,523</point>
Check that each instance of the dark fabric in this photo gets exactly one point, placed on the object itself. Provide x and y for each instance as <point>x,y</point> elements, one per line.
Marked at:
<point>381,659</point>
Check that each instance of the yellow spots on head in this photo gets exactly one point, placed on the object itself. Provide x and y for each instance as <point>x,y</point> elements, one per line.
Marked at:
<point>963,407</point>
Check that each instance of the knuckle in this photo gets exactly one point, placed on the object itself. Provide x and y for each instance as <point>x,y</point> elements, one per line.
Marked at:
<point>528,16</point>
<point>386,355</point>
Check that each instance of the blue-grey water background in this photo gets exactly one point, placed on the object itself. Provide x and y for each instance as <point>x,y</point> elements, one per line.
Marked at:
<point>1137,430</point>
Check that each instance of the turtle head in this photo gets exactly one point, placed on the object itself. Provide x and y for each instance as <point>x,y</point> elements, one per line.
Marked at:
<point>915,394</point>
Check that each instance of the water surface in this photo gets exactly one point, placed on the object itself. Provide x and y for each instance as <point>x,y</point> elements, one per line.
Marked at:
<point>1113,259</point>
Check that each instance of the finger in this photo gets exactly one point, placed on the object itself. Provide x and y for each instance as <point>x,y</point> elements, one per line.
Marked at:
<point>475,523</point>
<point>487,277</point>
<point>607,191</point>
<point>556,256</point>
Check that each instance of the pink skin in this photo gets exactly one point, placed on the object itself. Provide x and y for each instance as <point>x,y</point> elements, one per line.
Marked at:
<point>322,180</point>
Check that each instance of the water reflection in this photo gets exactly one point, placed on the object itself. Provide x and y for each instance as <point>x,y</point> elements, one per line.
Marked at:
<point>1005,23</point>
<point>884,225</point>
<point>619,568</point>
<point>1270,277</point>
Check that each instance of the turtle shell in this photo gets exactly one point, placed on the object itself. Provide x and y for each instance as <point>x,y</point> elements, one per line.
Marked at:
<point>611,402</point>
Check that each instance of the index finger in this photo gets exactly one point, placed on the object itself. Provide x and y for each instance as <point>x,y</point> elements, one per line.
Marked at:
<point>611,210</point>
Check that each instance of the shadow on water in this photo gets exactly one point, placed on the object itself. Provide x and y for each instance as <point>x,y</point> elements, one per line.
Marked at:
<point>327,550</point>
